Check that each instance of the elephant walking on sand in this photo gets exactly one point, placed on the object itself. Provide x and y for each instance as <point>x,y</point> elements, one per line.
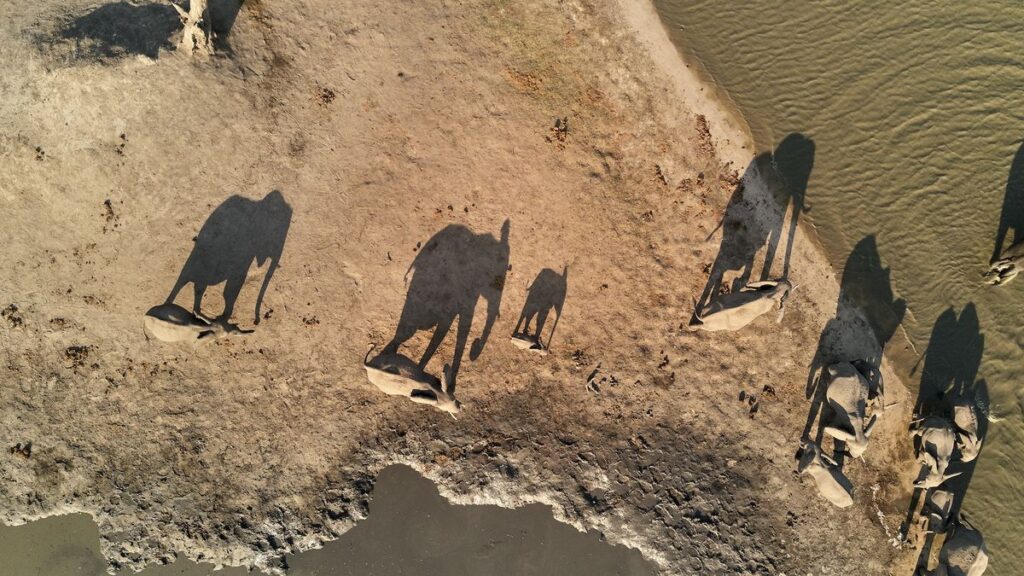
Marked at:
<point>453,270</point>
<point>238,231</point>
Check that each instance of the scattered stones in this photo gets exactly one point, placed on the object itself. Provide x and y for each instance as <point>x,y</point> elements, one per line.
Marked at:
<point>77,355</point>
<point>324,96</point>
<point>22,450</point>
<point>559,133</point>
<point>13,316</point>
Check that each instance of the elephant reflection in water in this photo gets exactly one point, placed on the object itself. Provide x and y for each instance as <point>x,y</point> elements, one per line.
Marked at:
<point>454,269</point>
<point>546,293</point>
<point>238,231</point>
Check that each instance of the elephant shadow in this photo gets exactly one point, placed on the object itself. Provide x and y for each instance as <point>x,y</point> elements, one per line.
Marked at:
<point>236,233</point>
<point>1011,217</point>
<point>753,221</point>
<point>124,29</point>
<point>121,29</point>
<point>544,295</point>
<point>866,318</point>
<point>452,272</point>
<point>952,361</point>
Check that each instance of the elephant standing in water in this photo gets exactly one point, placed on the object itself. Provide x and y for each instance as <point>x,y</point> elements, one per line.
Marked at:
<point>1006,263</point>
<point>546,293</point>
<point>453,270</point>
<point>238,231</point>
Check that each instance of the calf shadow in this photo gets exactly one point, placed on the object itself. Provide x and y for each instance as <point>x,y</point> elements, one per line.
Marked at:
<point>453,270</point>
<point>1011,217</point>
<point>235,234</point>
<point>867,316</point>
<point>752,222</point>
<point>545,294</point>
<point>125,29</point>
<point>951,363</point>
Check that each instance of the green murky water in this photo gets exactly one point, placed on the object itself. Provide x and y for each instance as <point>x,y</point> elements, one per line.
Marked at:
<point>916,110</point>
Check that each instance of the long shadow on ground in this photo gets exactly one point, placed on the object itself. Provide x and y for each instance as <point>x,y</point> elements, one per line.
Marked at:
<point>1011,218</point>
<point>748,225</point>
<point>951,364</point>
<point>867,316</point>
<point>124,29</point>
<point>238,232</point>
<point>453,270</point>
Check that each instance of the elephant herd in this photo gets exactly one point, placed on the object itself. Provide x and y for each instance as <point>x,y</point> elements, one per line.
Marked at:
<point>450,274</point>
<point>457,267</point>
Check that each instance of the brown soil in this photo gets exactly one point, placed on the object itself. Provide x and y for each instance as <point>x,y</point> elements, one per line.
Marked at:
<point>382,125</point>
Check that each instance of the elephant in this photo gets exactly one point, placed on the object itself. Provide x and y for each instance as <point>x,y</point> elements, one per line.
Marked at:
<point>396,375</point>
<point>452,271</point>
<point>238,231</point>
<point>936,451</point>
<point>1007,266</point>
<point>172,323</point>
<point>849,393</point>
<point>965,422</point>
<point>962,554</point>
<point>738,309</point>
<point>829,479</point>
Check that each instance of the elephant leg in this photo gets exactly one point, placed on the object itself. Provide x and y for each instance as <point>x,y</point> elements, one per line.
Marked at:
<point>199,290</point>
<point>519,323</point>
<point>232,289</point>
<point>462,336</point>
<point>542,318</point>
<point>440,331</point>
<point>176,290</point>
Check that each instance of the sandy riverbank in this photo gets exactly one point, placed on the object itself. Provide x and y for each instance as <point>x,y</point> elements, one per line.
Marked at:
<point>381,130</point>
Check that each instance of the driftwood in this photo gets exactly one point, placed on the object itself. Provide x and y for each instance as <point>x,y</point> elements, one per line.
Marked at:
<point>172,323</point>
<point>849,393</point>
<point>397,375</point>
<point>1007,267</point>
<point>936,451</point>
<point>736,310</point>
<point>832,484</point>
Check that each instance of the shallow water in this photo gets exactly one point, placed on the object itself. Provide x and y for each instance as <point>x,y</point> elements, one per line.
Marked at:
<point>916,111</point>
<point>411,530</point>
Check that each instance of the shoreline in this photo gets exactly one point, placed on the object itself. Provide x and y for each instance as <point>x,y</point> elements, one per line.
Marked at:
<point>647,460</point>
<point>734,141</point>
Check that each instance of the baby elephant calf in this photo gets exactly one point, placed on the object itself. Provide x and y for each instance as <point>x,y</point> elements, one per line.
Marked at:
<point>832,484</point>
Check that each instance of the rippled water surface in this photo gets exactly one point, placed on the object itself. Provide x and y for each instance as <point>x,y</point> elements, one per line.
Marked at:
<point>916,110</point>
